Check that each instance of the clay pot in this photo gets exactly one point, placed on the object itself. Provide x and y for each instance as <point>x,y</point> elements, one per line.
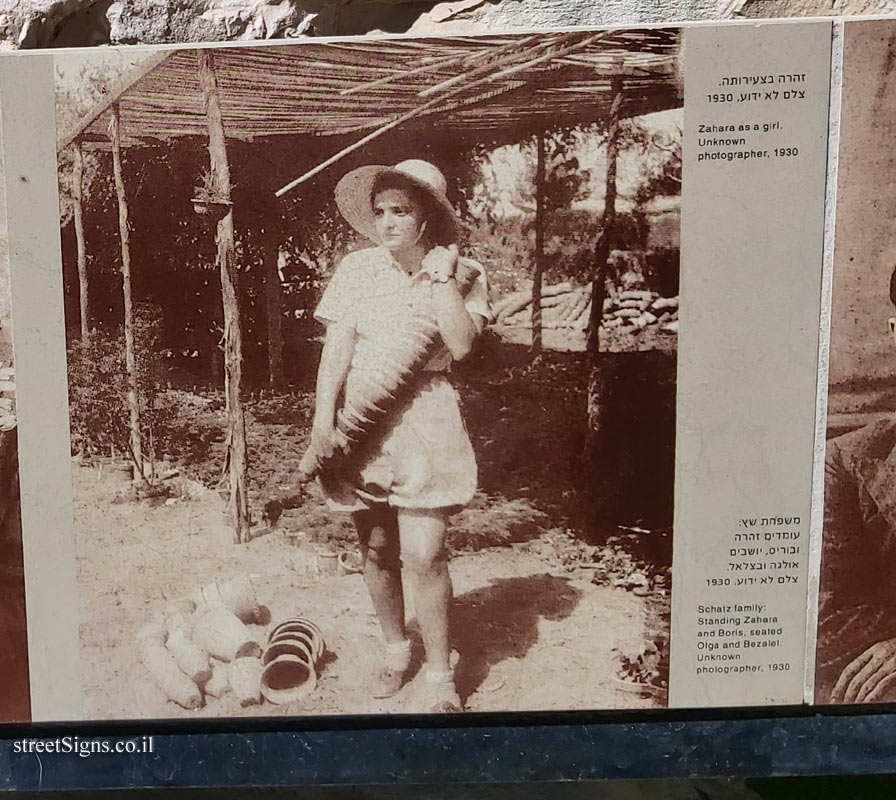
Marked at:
<point>307,623</point>
<point>297,631</point>
<point>293,648</point>
<point>221,634</point>
<point>245,680</point>
<point>350,563</point>
<point>219,684</point>
<point>162,667</point>
<point>297,645</point>
<point>287,678</point>
<point>182,605</point>
<point>237,595</point>
<point>296,625</point>
<point>174,621</point>
<point>190,658</point>
<point>211,594</point>
<point>327,562</point>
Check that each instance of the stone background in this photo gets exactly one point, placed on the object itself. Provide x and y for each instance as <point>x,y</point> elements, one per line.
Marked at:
<point>78,23</point>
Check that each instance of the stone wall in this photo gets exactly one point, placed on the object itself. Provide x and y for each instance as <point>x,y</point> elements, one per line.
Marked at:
<point>806,8</point>
<point>75,23</point>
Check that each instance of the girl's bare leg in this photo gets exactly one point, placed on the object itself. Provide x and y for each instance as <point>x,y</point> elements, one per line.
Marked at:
<point>378,537</point>
<point>423,553</point>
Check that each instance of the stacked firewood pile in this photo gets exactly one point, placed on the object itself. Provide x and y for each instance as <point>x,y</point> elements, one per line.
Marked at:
<point>566,306</point>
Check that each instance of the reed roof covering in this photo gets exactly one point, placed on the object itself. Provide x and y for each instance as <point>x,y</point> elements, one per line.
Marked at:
<point>470,84</point>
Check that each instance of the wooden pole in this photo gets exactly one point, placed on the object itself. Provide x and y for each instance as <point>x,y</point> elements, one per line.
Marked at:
<point>489,54</point>
<point>130,358</point>
<point>273,307</point>
<point>601,456</point>
<point>78,218</point>
<point>494,64</point>
<point>538,269</point>
<point>236,460</point>
<point>602,249</point>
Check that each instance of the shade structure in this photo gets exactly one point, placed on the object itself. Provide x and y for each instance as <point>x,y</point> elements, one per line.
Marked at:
<point>520,83</point>
<point>324,100</point>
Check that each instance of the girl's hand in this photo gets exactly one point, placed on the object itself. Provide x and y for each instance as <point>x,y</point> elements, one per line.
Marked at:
<point>441,263</point>
<point>325,439</point>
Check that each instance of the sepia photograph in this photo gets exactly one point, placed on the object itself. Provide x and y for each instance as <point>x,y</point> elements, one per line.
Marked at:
<point>15,704</point>
<point>372,355</point>
<point>856,647</point>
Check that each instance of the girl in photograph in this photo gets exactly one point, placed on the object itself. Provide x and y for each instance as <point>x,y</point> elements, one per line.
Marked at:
<point>423,468</point>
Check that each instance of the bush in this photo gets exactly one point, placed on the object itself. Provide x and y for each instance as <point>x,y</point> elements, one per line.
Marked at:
<point>506,247</point>
<point>97,390</point>
<point>97,384</point>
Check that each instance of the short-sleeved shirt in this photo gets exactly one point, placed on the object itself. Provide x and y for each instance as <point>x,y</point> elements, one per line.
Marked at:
<point>425,459</point>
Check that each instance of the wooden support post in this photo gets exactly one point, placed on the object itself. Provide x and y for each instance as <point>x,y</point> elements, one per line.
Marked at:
<point>604,366</point>
<point>236,462</point>
<point>602,249</point>
<point>538,269</point>
<point>78,218</point>
<point>133,401</point>
<point>272,301</point>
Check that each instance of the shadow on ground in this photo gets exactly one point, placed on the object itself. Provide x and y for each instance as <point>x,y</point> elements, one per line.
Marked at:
<point>500,621</point>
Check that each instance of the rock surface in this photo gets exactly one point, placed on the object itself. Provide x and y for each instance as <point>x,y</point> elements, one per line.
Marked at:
<point>163,21</point>
<point>804,8</point>
<point>76,23</point>
<point>54,23</point>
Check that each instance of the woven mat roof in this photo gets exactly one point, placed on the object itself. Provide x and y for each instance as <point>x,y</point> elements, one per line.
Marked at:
<point>475,84</point>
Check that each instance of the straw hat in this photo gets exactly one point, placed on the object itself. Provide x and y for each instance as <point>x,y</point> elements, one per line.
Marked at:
<point>354,201</point>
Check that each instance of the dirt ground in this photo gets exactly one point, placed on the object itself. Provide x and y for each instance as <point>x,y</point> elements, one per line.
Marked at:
<point>530,632</point>
<point>548,611</point>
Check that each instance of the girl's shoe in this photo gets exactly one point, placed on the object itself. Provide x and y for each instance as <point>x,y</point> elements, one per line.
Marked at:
<point>392,677</point>
<point>388,682</point>
<point>441,693</point>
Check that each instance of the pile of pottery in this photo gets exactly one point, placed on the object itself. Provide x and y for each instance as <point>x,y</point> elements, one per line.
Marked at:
<point>566,306</point>
<point>562,306</point>
<point>637,309</point>
<point>289,661</point>
<point>203,647</point>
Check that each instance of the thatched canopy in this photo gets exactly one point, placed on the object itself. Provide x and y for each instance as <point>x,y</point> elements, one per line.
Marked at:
<point>522,83</point>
